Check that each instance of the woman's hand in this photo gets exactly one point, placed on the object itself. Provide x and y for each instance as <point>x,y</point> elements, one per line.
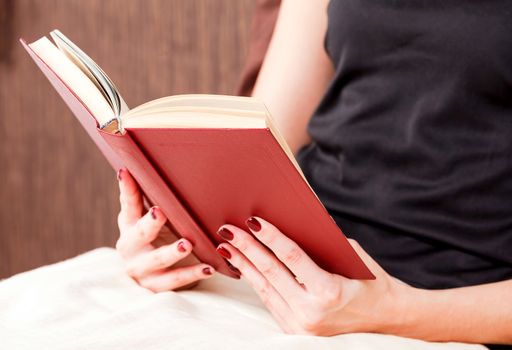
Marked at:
<point>154,257</point>
<point>305,299</point>
<point>315,301</point>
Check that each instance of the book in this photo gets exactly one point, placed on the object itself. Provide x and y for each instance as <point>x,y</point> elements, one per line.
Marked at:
<point>205,160</point>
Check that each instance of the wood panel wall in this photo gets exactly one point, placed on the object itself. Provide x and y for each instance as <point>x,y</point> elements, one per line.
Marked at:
<point>58,196</point>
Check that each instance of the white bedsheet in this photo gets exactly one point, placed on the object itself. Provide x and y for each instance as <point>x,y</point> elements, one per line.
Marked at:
<point>88,302</point>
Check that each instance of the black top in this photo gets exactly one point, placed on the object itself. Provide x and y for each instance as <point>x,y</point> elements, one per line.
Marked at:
<point>412,142</point>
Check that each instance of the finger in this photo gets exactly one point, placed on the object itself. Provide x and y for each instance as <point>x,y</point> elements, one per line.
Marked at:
<point>158,259</point>
<point>176,278</point>
<point>130,198</point>
<point>143,232</point>
<point>270,297</point>
<point>289,253</point>
<point>270,267</point>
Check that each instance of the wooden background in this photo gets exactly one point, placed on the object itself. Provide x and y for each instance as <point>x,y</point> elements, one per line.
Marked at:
<point>58,196</point>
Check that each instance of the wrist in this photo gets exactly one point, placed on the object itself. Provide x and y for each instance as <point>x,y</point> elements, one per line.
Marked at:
<point>470,314</point>
<point>397,311</point>
<point>417,314</point>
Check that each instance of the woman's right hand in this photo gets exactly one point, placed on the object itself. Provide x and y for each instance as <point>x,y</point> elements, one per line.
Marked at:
<point>154,265</point>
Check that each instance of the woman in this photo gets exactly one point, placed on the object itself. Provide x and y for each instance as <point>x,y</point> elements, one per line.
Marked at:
<point>402,125</point>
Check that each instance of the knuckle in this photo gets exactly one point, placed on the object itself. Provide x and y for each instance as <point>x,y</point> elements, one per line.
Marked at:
<point>159,258</point>
<point>269,237</point>
<point>242,244</point>
<point>265,299</point>
<point>176,279</point>
<point>128,200</point>
<point>263,291</point>
<point>332,291</point>
<point>312,323</point>
<point>132,270</point>
<point>139,231</point>
<point>293,255</point>
<point>269,269</point>
<point>328,296</point>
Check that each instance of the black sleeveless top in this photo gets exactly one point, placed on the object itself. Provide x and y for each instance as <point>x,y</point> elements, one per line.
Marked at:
<point>412,142</point>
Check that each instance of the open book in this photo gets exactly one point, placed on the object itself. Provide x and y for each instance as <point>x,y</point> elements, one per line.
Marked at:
<point>205,160</point>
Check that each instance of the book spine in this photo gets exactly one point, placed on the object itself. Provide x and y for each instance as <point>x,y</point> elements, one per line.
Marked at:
<point>158,192</point>
<point>121,151</point>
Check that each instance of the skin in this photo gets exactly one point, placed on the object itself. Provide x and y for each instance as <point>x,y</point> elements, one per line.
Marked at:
<point>153,255</point>
<point>303,298</point>
<point>316,302</point>
<point>296,69</point>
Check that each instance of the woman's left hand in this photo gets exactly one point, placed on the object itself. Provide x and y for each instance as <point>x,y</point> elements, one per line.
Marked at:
<point>305,299</point>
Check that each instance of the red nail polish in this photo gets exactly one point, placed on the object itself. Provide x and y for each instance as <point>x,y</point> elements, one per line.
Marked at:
<point>181,247</point>
<point>234,269</point>
<point>120,174</point>
<point>152,211</point>
<point>253,224</point>
<point>224,252</point>
<point>207,271</point>
<point>225,233</point>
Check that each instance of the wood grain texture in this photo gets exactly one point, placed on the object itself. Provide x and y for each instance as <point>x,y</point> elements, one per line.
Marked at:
<point>58,196</point>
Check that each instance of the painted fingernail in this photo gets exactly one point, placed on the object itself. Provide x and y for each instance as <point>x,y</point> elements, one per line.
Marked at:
<point>181,247</point>
<point>234,269</point>
<point>120,174</point>
<point>207,271</point>
<point>153,211</point>
<point>224,252</point>
<point>225,233</point>
<point>253,224</point>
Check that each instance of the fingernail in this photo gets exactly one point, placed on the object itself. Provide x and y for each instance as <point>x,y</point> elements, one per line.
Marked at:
<point>120,174</point>
<point>181,247</point>
<point>253,224</point>
<point>153,211</point>
<point>207,271</point>
<point>225,233</point>
<point>224,252</point>
<point>234,269</point>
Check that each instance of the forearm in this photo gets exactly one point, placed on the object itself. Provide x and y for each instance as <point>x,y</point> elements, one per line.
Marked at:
<point>476,314</point>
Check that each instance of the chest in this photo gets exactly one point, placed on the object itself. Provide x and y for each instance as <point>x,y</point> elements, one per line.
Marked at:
<point>469,34</point>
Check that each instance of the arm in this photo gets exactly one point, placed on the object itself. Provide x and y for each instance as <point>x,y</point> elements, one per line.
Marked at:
<point>320,303</point>
<point>296,69</point>
<point>479,314</point>
<point>294,75</point>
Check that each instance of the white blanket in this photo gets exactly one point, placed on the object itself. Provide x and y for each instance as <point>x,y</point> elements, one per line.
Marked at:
<point>88,302</point>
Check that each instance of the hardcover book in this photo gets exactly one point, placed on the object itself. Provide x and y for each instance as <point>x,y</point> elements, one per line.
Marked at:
<point>205,160</point>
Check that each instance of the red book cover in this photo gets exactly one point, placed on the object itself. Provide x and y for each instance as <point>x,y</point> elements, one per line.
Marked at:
<point>227,175</point>
<point>203,178</point>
